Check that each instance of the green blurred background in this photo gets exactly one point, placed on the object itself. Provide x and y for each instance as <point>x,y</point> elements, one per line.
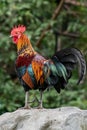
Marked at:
<point>36,15</point>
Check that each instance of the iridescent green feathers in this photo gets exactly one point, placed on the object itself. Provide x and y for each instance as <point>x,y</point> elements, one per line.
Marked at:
<point>53,70</point>
<point>60,71</point>
<point>71,57</point>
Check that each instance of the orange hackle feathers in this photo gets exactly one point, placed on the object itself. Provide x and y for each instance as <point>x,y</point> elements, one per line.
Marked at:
<point>19,28</point>
<point>23,41</point>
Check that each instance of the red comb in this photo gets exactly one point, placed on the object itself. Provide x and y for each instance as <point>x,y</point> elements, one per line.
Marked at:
<point>19,28</point>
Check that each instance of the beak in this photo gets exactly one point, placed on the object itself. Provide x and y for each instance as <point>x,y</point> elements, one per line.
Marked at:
<point>10,36</point>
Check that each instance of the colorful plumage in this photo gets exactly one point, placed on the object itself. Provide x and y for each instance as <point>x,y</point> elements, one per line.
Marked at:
<point>36,72</point>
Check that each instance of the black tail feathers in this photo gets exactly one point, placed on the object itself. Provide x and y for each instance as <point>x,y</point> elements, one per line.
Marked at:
<point>71,57</point>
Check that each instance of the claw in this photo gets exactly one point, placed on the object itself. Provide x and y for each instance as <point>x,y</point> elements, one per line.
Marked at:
<point>25,107</point>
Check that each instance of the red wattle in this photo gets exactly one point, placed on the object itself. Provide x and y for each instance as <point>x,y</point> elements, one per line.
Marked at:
<point>15,39</point>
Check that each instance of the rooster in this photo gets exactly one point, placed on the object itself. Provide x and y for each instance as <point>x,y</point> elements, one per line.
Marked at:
<point>36,72</point>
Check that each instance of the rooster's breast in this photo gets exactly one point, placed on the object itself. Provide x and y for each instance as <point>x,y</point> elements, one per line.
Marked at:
<point>24,60</point>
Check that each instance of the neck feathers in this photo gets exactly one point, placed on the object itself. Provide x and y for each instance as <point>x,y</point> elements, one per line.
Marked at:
<point>24,44</point>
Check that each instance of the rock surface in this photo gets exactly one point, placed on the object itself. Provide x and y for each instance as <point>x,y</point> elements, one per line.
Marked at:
<point>65,118</point>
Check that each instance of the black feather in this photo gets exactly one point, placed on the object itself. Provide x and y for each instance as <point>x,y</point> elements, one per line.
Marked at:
<point>70,57</point>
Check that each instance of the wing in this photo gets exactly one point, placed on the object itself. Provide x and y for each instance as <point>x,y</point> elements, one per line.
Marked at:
<point>32,72</point>
<point>29,77</point>
<point>37,66</point>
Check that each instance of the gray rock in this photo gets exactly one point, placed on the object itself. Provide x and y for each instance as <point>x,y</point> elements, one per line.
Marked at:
<point>65,118</point>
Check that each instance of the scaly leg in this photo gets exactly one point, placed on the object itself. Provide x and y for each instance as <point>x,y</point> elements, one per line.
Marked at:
<point>40,102</point>
<point>27,106</point>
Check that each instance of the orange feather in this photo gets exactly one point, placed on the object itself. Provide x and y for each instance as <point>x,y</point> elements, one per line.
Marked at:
<point>38,71</point>
<point>26,77</point>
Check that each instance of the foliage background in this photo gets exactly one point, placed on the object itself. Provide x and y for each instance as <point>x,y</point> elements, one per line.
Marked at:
<point>36,15</point>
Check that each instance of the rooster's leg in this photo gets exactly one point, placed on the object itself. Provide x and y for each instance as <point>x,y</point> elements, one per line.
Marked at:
<point>27,106</point>
<point>40,102</point>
